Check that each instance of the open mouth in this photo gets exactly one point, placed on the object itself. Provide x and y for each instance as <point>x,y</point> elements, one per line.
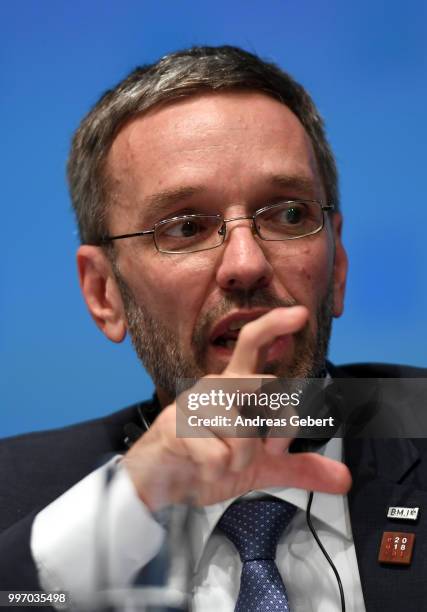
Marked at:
<point>229,338</point>
<point>226,333</point>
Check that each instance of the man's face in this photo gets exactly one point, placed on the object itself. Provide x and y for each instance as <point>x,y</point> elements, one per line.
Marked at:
<point>229,153</point>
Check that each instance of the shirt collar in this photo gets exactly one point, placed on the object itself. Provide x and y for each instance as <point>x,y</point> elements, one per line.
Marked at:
<point>332,510</point>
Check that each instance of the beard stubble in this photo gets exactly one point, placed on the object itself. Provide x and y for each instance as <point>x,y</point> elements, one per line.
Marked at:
<point>158,348</point>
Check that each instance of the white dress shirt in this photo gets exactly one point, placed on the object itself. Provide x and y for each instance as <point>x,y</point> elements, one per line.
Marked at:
<point>68,541</point>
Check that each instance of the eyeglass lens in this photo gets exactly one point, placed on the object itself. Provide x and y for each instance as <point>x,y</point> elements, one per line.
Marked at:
<point>284,221</point>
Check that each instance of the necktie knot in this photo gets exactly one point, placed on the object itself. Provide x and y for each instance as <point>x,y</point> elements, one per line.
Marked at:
<point>255,526</point>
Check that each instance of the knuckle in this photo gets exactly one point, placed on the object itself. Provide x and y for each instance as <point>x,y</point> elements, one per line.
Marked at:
<point>214,465</point>
<point>243,451</point>
<point>219,457</point>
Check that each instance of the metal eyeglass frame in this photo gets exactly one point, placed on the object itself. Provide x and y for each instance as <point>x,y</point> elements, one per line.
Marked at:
<point>223,229</point>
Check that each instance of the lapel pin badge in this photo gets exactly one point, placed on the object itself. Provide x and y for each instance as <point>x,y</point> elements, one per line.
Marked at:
<point>396,547</point>
<point>403,514</point>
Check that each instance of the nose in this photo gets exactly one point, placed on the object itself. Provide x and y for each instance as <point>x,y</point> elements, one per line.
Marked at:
<point>243,264</point>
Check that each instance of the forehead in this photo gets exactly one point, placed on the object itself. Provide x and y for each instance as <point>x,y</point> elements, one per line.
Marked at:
<point>228,145</point>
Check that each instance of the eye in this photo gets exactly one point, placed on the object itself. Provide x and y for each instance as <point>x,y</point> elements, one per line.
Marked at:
<point>287,220</point>
<point>183,228</point>
<point>293,214</point>
<point>188,233</point>
<point>286,215</point>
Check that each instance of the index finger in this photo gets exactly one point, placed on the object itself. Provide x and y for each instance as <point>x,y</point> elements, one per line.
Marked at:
<point>256,338</point>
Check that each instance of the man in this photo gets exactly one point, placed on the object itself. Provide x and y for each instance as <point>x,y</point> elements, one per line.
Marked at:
<point>207,203</point>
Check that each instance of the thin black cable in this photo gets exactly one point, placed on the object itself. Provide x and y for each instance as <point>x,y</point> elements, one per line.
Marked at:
<point>322,548</point>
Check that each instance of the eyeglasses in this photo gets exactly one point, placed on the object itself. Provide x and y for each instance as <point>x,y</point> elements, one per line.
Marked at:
<point>288,220</point>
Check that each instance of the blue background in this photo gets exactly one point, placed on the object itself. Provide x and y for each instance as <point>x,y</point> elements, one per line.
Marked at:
<point>365,65</point>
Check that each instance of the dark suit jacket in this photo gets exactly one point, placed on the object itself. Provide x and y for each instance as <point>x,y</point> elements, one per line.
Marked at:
<point>37,468</point>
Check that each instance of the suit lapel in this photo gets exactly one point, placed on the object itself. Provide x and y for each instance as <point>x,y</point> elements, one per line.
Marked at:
<point>387,473</point>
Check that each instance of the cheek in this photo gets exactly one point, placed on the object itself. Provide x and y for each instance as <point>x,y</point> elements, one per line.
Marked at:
<point>308,272</point>
<point>172,288</point>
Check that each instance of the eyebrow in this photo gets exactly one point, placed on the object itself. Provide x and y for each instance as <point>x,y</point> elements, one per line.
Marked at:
<point>161,202</point>
<point>297,183</point>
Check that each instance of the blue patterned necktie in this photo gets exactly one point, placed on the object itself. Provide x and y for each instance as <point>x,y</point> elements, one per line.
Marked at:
<point>255,527</point>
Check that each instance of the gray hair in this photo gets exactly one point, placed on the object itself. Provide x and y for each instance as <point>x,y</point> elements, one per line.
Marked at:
<point>178,75</point>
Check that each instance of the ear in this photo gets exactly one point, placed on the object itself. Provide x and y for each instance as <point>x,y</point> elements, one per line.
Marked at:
<point>340,266</point>
<point>100,291</point>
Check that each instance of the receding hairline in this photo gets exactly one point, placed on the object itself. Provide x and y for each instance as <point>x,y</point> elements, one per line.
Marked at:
<point>194,95</point>
<point>203,92</point>
<point>180,75</point>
